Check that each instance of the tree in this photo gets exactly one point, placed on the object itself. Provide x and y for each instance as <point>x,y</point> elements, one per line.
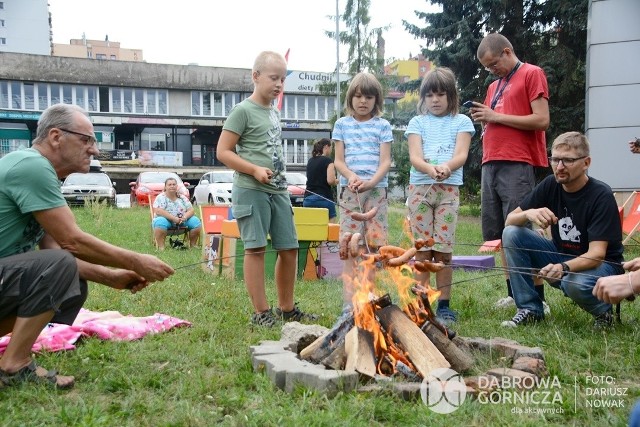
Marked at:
<point>548,33</point>
<point>363,54</point>
<point>400,155</point>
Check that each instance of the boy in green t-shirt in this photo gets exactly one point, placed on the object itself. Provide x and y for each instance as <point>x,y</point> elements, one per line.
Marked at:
<point>251,144</point>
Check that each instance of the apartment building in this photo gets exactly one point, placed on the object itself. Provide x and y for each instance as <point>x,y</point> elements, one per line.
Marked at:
<point>25,27</point>
<point>96,49</point>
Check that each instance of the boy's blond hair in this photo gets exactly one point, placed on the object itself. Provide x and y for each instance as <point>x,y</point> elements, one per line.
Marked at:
<point>265,58</point>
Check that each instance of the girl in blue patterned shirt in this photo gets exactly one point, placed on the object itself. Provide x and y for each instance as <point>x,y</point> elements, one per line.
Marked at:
<point>363,158</point>
<point>439,140</point>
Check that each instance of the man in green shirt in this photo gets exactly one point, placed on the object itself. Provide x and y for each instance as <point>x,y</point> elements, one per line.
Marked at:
<point>50,284</point>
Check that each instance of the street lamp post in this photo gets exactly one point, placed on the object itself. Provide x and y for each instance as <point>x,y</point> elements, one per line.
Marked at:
<point>337,59</point>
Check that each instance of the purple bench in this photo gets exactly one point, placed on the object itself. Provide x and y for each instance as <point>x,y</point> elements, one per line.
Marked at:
<point>473,262</point>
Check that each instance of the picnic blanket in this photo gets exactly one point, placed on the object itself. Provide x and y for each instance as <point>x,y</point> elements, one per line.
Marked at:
<point>107,325</point>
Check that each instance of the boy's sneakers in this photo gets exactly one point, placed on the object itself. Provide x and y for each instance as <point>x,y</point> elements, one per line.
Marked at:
<point>505,302</point>
<point>264,318</point>
<point>603,321</point>
<point>295,315</point>
<point>523,317</point>
<point>446,316</point>
<point>509,302</point>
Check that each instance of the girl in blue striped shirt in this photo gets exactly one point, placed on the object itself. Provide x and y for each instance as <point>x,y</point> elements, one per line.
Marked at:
<point>363,158</point>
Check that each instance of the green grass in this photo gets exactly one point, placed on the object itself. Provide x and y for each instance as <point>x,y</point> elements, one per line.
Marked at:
<point>202,375</point>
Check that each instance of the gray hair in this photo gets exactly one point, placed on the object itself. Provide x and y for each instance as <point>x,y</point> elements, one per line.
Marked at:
<point>56,116</point>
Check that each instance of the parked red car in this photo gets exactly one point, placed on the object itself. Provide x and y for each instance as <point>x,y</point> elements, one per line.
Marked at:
<point>297,184</point>
<point>152,184</point>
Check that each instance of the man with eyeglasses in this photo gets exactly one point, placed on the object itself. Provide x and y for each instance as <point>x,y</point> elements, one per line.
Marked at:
<point>50,284</point>
<point>514,117</point>
<point>586,243</point>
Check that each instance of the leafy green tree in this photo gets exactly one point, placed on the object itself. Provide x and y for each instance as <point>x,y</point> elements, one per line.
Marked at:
<point>362,41</point>
<point>548,33</point>
<point>400,156</point>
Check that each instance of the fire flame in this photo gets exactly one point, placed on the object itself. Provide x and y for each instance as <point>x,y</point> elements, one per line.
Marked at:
<point>387,353</point>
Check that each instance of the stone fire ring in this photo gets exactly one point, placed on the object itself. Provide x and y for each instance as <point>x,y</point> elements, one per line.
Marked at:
<point>280,361</point>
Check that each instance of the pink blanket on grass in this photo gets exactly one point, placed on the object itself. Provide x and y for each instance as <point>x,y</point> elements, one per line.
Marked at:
<point>107,325</point>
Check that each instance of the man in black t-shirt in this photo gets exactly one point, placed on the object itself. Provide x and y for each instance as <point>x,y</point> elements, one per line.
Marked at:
<point>586,235</point>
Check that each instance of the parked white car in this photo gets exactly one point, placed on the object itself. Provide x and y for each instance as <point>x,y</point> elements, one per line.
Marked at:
<point>214,188</point>
<point>80,188</point>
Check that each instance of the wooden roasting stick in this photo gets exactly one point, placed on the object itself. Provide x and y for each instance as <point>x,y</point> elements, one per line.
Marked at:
<point>424,355</point>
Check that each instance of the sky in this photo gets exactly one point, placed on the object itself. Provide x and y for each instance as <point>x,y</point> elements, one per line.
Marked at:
<point>230,33</point>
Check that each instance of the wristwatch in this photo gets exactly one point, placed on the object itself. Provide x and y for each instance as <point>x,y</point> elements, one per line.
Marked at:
<point>565,268</point>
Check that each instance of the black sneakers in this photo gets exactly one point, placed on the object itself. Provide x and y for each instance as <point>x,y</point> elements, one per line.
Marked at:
<point>523,317</point>
<point>264,318</point>
<point>603,321</point>
<point>295,315</point>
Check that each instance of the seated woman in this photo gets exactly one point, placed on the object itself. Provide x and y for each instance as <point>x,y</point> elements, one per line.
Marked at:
<point>321,176</point>
<point>172,209</point>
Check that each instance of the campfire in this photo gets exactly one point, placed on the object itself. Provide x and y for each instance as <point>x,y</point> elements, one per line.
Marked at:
<point>380,338</point>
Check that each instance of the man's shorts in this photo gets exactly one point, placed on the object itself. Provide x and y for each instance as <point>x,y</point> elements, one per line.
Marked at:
<point>259,213</point>
<point>504,186</point>
<point>38,281</point>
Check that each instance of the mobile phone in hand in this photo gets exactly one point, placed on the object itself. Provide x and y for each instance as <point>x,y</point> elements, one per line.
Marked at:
<point>468,104</point>
<point>636,143</point>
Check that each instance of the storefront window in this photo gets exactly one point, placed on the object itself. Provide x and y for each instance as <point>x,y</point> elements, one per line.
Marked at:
<point>43,97</point>
<point>162,102</point>
<point>92,98</point>
<point>217,104</point>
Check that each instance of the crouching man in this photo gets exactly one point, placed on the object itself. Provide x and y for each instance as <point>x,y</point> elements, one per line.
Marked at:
<point>586,235</point>
<point>50,284</point>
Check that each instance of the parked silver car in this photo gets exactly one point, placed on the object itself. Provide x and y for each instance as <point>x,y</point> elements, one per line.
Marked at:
<point>79,188</point>
<point>214,188</point>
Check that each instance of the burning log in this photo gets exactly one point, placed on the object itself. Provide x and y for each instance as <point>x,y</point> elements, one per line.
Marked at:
<point>322,347</point>
<point>460,360</point>
<point>360,353</point>
<point>407,372</point>
<point>337,359</point>
<point>424,355</point>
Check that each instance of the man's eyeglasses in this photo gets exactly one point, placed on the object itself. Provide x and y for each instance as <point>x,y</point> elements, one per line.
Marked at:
<point>86,139</point>
<point>493,66</point>
<point>566,161</point>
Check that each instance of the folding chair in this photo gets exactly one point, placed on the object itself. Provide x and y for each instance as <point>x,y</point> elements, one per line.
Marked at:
<point>491,246</point>
<point>631,221</point>
<point>177,230</point>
